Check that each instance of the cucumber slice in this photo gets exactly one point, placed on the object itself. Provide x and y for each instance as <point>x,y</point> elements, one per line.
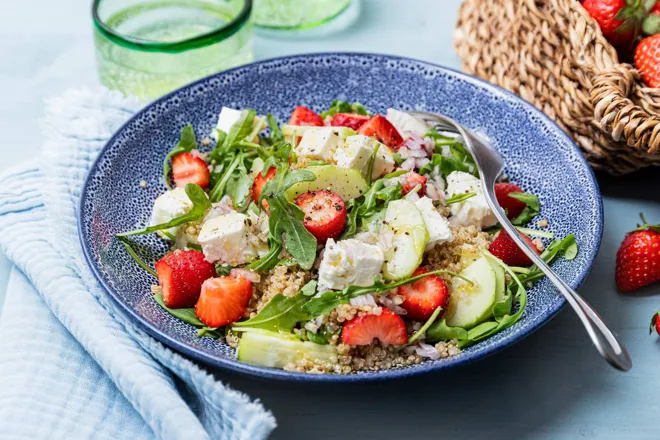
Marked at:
<point>471,304</point>
<point>405,220</point>
<point>346,182</point>
<point>500,283</point>
<point>270,349</point>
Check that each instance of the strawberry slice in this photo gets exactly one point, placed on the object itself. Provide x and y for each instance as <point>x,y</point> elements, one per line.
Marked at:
<point>351,120</point>
<point>180,275</point>
<point>412,179</point>
<point>304,116</point>
<point>259,183</point>
<point>187,168</point>
<point>421,298</point>
<point>504,248</point>
<point>513,206</point>
<point>383,130</point>
<point>223,300</point>
<point>325,214</point>
<point>388,327</point>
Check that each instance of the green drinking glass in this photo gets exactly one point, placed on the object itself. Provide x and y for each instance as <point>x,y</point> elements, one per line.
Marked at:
<point>147,48</point>
<point>297,14</point>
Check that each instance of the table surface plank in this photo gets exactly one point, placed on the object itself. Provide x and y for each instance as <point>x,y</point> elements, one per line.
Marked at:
<point>550,386</point>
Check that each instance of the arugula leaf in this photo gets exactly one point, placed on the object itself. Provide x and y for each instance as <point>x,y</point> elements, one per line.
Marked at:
<point>201,205</point>
<point>372,160</point>
<point>322,336</point>
<point>187,143</point>
<point>425,327</point>
<point>127,244</point>
<point>239,131</point>
<point>189,316</point>
<point>282,313</point>
<point>309,289</point>
<point>532,209</point>
<point>222,270</point>
<point>239,189</point>
<point>339,106</point>
<point>271,259</point>
<point>286,219</point>
<point>276,134</point>
<point>218,189</point>
<point>457,198</point>
<point>329,300</point>
<point>457,150</point>
<point>440,331</point>
<point>445,165</point>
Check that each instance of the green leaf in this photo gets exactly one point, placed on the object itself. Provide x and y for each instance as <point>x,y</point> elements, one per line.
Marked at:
<point>440,331</point>
<point>426,326</point>
<point>372,160</point>
<point>445,165</point>
<point>281,314</point>
<point>276,134</point>
<point>201,205</point>
<point>322,336</point>
<point>532,209</point>
<point>186,315</point>
<point>187,143</point>
<point>127,244</point>
<point>309,289</point>
<point>270,260</point>
<point>218,189</point>
<point>339,106</point>
<point>239,131</point>
<point>222,270</point>
<point>293,177</point>
<point>457,198</point>
<point>287,219</point>
<point>651,24</point>
<point>240,190</point>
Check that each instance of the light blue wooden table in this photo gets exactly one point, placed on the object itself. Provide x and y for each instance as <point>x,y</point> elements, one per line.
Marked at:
<point>553,385</point>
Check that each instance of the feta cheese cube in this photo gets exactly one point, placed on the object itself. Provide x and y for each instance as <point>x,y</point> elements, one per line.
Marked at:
<point>231,239</point>
<point>404,122</point>
<point>168,206</point>
<point>473,211</point>
<point>436,225</point>
<point>356,152</point>
<point>349,263</point>
<point>318,143</point>
<point>227,118</point>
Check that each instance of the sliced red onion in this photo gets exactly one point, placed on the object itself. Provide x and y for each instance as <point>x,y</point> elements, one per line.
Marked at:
<point>427,351</point>
<point>408,164</point>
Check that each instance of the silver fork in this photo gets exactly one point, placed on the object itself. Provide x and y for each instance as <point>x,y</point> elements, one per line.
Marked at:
<point>490,165</point>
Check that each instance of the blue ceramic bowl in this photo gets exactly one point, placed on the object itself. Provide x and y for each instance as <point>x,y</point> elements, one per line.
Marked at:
<point>540,157</point>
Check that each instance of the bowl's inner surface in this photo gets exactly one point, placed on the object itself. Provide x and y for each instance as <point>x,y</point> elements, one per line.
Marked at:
<point>540,158</point>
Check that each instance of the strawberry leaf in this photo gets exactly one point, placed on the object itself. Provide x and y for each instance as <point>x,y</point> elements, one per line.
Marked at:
<point>651,25</point>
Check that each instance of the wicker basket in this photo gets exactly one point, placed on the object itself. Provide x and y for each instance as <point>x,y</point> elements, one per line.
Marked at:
<point>553,54</point>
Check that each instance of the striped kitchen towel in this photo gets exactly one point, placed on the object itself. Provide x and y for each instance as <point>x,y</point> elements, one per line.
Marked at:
<point>71,365</point>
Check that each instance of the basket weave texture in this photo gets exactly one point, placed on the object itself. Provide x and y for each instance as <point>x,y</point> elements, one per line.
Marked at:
<point>553,54</point>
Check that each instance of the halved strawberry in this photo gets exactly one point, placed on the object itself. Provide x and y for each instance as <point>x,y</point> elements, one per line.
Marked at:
<point>504,248</point>
<point>513,206</point>
<point>304,116</point>
<point>421,298</point>
<point>325,214</point>
<point>180,275</point>
<point>187,168</point>
<point>259,183</point>
<point>388,328</point>
<point>412,179</point>
<point>383,130</point>
<point>352,120</point>
<point>223,300</point>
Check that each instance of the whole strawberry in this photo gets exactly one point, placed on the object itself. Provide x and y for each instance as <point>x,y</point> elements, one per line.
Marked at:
<point>619,20</point>
<point>638,258</point>
<point>647,60</point>
<point>655,322</point>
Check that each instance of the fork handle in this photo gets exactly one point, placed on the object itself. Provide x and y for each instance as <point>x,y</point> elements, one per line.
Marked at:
<point>602,337</point>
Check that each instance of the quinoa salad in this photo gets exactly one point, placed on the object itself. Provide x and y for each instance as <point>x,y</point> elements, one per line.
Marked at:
<point>339,242</point>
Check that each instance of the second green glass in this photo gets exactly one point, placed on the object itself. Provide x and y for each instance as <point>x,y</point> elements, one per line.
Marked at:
<point>296,14</point>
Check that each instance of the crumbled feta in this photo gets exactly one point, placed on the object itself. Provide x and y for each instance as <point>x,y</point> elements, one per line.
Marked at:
<point>318,143</point>
<point>473,211</point>
<point>349,263</point>
<point>168,206</point>
<point>230,239</point>
<point>404,122</point>
<point>356,152</point>
<point>436,225</point>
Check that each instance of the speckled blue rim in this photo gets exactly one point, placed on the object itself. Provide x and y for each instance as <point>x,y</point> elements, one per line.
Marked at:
<point>269,373</point>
